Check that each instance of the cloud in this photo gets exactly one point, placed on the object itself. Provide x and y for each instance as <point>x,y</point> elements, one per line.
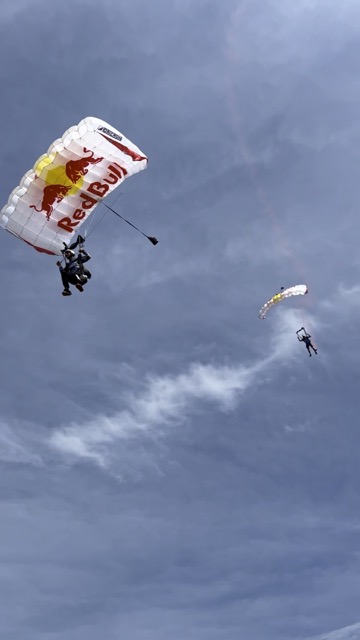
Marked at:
<point>168,400</point>
<point>351,632</point>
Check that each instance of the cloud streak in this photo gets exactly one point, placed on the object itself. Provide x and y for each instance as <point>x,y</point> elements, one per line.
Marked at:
<point>168,400</point>
<point>351,632</point>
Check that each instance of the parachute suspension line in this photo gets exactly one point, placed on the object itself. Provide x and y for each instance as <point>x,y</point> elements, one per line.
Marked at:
<point>88,232</point>
<point>116,199</point>
<point>153,240</point>
<point>91,228</point>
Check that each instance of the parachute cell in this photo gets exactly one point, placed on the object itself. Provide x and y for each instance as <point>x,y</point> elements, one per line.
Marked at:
<point>297,290</point>
<point>66,184</point>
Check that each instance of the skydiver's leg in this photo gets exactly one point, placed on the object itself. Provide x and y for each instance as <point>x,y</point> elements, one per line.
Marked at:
<point>87,273</point>
<point>65,282</point>
<point>77,280</point>
<point>84,275</point>
<point>308,348</point>
<point>313,348</point>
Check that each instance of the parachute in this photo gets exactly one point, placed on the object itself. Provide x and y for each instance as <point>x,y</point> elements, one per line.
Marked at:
<point>297,290</point>
<point>67,183</point>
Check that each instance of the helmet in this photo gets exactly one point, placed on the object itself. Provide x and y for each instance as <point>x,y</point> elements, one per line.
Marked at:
<point>69,252</point>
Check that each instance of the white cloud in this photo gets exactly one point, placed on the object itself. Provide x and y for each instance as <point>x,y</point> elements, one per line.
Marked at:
<point>346,633</point>
<point>164,401</point>
<point>168,400</point>
<point>160,402</point>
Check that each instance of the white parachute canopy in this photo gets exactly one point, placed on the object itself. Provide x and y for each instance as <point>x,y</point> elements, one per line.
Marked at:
<point>66,184</point>
<point>297,290</point>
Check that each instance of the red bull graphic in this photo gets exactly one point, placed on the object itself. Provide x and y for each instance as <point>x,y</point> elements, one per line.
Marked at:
<point>52,194</point>
<point>73,171</point>
<point>76,169</point>
<point>65,184</point>
<point>98,189</point>
<point>67,180</point>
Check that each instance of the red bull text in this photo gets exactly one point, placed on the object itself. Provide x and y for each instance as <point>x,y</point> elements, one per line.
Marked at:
<point>98,189</point>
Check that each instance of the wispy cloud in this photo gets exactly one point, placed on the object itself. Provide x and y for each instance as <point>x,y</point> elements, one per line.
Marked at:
<point>168,400</point>
<point>351,632</point>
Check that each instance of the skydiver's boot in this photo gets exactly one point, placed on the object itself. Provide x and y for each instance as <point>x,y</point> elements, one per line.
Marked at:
<point>66,292</point>
<point>79,287</point>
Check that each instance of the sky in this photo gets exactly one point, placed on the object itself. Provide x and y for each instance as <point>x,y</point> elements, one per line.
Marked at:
<point>171,466</point>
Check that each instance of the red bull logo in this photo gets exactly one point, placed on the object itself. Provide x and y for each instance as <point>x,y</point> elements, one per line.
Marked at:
<point>76,169</point>
<point>115,174</point>
<point>52,194</point>
<point>65,180</point>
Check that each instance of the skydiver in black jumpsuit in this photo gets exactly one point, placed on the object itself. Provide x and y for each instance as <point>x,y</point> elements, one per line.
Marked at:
<point>306,339</point>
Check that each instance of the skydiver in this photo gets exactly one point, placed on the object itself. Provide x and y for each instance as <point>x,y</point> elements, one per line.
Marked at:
<point>74,271</point>
<point>306,339</point>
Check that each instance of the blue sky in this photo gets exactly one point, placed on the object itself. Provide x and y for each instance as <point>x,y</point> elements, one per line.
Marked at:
<point>172,467</point>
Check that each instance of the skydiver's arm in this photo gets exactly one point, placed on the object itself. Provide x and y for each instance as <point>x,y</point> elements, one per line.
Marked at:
<point>83,256</point>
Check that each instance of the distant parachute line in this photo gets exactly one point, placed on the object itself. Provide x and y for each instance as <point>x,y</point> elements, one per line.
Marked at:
<point>297,290</point>
<point>66,184</point>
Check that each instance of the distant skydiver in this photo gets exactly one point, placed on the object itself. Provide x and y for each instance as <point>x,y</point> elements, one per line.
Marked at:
<point>306,339</point>
<point>74,271</point>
